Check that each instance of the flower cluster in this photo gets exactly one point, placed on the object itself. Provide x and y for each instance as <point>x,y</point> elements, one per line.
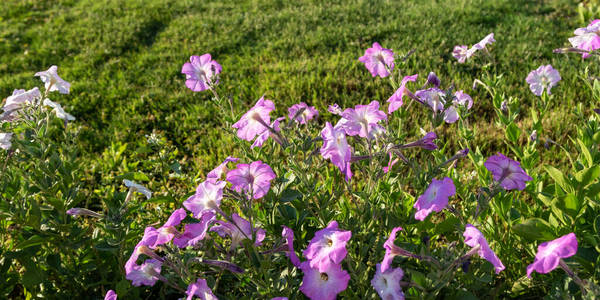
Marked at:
<point>462,52</point>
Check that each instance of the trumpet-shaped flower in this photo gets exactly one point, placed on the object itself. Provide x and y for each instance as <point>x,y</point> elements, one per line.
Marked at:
<point>241,230</point>
<point>200,289</point>
<point>487,40</point>
<point>53,82</point>
<point>255,121</point>
<point>390,250</point>
<point>507,172</point>
<point>327,247</point>
<point>288,234</point>
<point>254,178</point>
<point>195,232</point>
<point>587,38</point>
<point>378,60</point>
<point>145,274</point>
<point>474,238</point>
<point>19,98</point>
<point>550,253</point>
<point>435,197</point>
<point>58,110</point>
<point>433,80</point>
<point>335,109</point>
<point>307,114</point>
<point>201,72</point>
<point>435,99</point>
<point>461,53</point>
<point>462,99</point>
<point>544,77</point>
<point>207,197</point>
<point>335,148</point>
<point>262,138</point>
<point>323,285</point>
<point>215,175</point>
<point>360,120</point>
<point>138,188</point>
<point>78,211</point>
<point>155,237</point>
<point>425,142</point>
<point>110,295</point>
<point>5,142</point>
<point>395,101</point>
<point>387,284</point>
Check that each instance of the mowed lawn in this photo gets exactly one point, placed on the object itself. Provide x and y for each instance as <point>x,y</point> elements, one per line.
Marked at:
<point>124,58</point>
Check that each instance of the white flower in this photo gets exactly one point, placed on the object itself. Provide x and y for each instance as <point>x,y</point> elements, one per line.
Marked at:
<point>53,82</point>
<point>20,98</point>
<point>138,187</point>
<point>58,110</point>
<point>5,140</point>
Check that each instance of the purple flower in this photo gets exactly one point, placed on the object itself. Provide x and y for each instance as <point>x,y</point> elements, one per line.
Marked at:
<point>544,77</point>
<point>327,247</point>
<point>255,178</point>
<point>255,121</point>
<point>461,53</point>
<point>390,250</point>
<point>462,99</point>
<point>262,138</point>
<point>435,99</point>
<point>395,101</point>
<point>288,234</point>
<point>19,98</point>
<point>155,237</point>
<point>146,274</point>
<point>335,148</point>
<point>110,295</point>
<point>200,72</point>
<point>5,142</point>
<point>195,232</point>
<point>587,38</point>
<point>435,197</point>
<point>323,285</point>
<point>425,143</point>
<point>335,109</point>
<point>475,238</point>
<point>207,197</point>
<point>507,172</point>
<point>308,113</point>
<point>233,230</point>
<point>487,40</point>
<point>360,120</point>
<point>433,80</point>
<point>550,253</point>
<point>200,289</point>
<point>280,298</point>
<point>387,284</point>
<point>215,175</point>
<point>378,60</point>
<point>53,82</point>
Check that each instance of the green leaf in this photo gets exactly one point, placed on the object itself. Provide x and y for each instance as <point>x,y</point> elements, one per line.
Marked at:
<point>134,176</point>
<point>587,176</point>
<point>534,229</point>
<point>570,203</point>
<point>586,153</point>
<point>513,133</point>
<point>290,195</point>
<point>559,178</point>
<point>32,241</point>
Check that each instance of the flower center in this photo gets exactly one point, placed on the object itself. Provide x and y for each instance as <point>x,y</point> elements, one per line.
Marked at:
<point>329,242</point>
<point>324,276</point>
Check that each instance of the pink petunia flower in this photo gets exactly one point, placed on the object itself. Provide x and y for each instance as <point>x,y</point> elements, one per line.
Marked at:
<point>327,247</point>
<point>262,138</point>
<point>288,234</point>
<point>308,113</point>
<point>360,120</point>
<point>155,237</point>
<point>395,101</point>
<point>200,289</point>
<point>549,254</point>
<point>254,178</point>
<point>487,40</point>
<point>335,109</point>
<point>53,82</point>
<point>255,121</point>
<point>207,198</point>
<point>461,53</point>
<point>110,295</point>
<point>241,230</point>
<point>544,77</point>
<point>194,232</point>
<point>435,197</point>
<point>474,238</point>
<point>507,172</point>
<point>20,98</point>
<point>587,38</point>
<point>335,148</point>
<point>378,60</point>
<point>323,285</point>
<point>201,72</point>
<point>462,99</point>
<point>390,250</point>
<point>425,142</point>
<point>387,284</point>
<point>215,175</point>
<point>145,274</point>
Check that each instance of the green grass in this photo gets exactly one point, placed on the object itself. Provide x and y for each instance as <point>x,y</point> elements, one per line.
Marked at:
<point>124,58</point>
